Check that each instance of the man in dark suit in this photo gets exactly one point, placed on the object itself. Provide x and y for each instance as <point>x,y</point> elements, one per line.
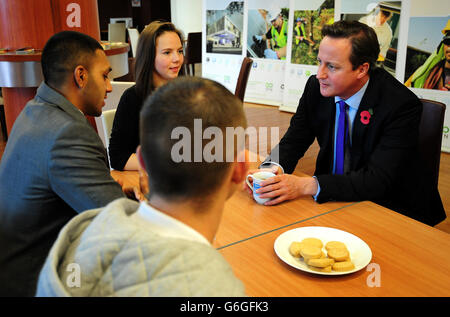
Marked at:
<point>381,160</point>
<point>54,165</point>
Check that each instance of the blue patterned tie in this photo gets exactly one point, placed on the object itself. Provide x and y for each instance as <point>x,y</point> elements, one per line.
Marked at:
<point>341,137</point>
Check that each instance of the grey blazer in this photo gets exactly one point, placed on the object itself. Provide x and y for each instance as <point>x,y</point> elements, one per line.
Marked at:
<point>54,166</point>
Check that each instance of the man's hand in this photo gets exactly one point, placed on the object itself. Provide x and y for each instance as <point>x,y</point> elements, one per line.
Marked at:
<point>273,169</point>
<point>133,192</point>
<point>286,187</point>
<point>143,185</point>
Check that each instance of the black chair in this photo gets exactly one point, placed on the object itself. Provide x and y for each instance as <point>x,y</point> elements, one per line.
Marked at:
<point>244,73</point>
<point>193,51</point>
<point>3,119</point>
<point>430,136</point>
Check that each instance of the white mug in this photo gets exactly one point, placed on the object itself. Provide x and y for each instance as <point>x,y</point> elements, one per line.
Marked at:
<point>258,177</point>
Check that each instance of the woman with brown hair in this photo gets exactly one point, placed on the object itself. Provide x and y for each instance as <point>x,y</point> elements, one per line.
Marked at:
<point>159,58</point>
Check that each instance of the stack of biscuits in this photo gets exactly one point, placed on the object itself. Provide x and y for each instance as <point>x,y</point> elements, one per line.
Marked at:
<point>336,259</point>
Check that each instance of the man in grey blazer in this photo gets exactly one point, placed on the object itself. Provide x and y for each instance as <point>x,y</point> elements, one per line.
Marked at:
<point>54,165</point>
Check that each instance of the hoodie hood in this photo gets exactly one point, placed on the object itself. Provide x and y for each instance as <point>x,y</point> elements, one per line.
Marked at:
<point>111,252</point>
<point>62,267</point>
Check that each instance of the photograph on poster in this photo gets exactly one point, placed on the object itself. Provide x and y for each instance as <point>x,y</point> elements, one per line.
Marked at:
<point>428,53</point>
<point>384,18</point>
<point>135,3</point>
<point>306,34</point>
<point>267,34</point>
<point>224,27</point>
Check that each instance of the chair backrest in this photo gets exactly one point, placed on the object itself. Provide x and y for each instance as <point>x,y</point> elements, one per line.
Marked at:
<point>131,75</point>
<point>133,35</point>
<point>193,50</point>
<point>111,102</point>
<point>244,73</point>
<point>116,32</point>
<point>430,136</point>
<point>107,120</point>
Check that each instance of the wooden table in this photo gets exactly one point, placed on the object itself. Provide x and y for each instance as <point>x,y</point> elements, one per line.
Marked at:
<point>243,218</point>
<point>129,178</point>
<point>413,258</point>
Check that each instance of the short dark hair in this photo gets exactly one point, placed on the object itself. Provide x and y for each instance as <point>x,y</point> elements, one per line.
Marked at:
<point>146,52</point>
<point>63,52</point>
<point>177,104</point>
<point>365,46</point>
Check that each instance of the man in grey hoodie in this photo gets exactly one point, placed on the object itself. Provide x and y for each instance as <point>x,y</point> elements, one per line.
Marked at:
<point>161,247</point>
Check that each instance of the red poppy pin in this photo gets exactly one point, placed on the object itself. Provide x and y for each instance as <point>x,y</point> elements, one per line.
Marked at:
<point>365,116</point>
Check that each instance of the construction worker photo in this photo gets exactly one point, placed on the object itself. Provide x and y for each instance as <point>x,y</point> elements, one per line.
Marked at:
<point>276,36</point>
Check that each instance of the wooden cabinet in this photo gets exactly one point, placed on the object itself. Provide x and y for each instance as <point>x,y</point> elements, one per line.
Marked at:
<point>30,23</point>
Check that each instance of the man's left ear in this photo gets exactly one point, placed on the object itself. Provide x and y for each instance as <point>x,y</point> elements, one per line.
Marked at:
<point>80,76</point>
<point>140,158</point>
<point>363,70</point>
<point>240,167</point>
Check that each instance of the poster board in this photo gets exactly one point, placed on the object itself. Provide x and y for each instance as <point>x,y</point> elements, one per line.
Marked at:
<point>426,54</point>
<point>222,43</point>
<point>235,29</point>
<point>307,20</point>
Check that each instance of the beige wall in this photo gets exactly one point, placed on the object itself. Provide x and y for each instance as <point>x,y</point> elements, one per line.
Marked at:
<point>187,15</point>
<point>430,7</point>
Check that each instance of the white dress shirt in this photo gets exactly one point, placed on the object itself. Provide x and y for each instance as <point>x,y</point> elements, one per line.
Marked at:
<point>353,105</point>
<point>165,225</point>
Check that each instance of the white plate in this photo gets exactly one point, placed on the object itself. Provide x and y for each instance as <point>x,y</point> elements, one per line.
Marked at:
<point>360,252</point>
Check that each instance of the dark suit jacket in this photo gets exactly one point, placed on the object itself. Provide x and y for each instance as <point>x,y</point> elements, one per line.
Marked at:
<point>54,166</point>
<point>385,165</point>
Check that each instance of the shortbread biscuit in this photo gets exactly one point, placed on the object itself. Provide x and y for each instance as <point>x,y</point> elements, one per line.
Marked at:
<point>294,249</point>
<point>343,266</point>
<point>313,241</point>
<point>306,260</point>
<point>336,259</point>
<point>310,252</point>
<point>321,269</point>
<point>338,254</point>
<point>323,262</point>
<point>322,256</point>
<point>335,245</point>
